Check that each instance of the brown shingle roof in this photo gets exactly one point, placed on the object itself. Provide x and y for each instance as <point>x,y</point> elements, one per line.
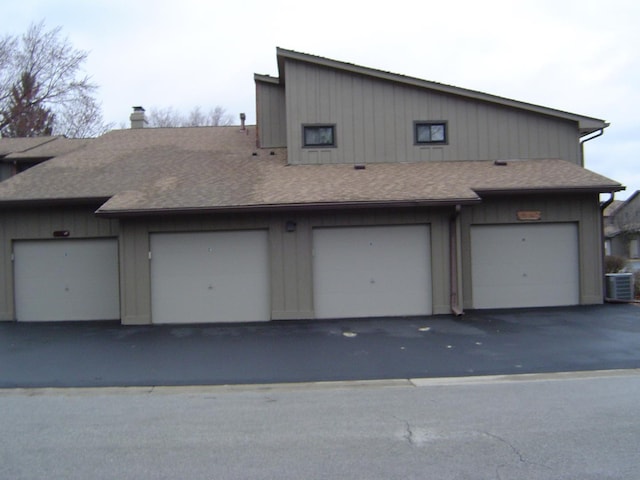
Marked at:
<point>611,209</point>
<point>39,147</point>
<point>58,146</point>
<point>182,169</point>
<point>13,145</point>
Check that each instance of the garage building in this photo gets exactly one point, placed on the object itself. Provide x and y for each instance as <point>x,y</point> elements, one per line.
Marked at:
<point>359,193</point>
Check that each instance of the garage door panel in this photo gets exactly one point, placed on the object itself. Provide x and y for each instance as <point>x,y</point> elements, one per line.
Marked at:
<point>525,265</point>
<point>66,280</point>
<point>208,277</point>
<point>372,271</point>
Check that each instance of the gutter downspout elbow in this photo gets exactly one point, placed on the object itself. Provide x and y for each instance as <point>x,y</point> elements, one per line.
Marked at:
<point>607,202</point>
<point>582,142</point>
<point>454,263</point>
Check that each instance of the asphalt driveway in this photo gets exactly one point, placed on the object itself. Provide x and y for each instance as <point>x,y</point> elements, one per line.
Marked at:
<point>90,354</point>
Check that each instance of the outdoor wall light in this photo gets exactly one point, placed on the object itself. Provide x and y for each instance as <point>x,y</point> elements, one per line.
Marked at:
<point>61,233</point>
<point>290,226</point>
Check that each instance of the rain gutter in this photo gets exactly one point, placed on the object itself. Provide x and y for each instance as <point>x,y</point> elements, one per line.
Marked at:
<point>582,142</point>
<point>286,207</point>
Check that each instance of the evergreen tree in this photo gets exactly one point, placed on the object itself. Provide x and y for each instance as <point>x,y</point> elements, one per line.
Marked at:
<point>43,88</point>
<point>29,117</point>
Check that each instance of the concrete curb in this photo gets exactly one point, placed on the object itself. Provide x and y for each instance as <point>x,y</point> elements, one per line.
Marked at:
<point>258,388</point>
<point>524,377</point>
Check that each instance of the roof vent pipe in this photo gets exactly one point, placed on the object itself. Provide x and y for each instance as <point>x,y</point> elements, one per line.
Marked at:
<point>243,117</point>
<point>138,118</point>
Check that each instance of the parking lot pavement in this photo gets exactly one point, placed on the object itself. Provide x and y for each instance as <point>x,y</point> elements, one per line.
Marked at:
<point>93,354</point>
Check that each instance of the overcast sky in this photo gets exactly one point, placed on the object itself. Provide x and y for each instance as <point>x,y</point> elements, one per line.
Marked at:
<point>577,56</point>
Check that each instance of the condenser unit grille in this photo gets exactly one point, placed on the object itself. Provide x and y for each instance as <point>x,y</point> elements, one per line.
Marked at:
<point>620,286</point>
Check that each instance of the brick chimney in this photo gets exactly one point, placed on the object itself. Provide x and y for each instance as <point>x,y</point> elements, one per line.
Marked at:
<point>137,118</point>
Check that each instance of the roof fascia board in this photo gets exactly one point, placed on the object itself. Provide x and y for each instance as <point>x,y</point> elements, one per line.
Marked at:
<point>546,190</point>
<point>626,203</point>
<point>22,157</point>
<point>57,202</point>
<point>586,124</point>
<point>632,197</point>
<point>288,207</point>
<point>266,79</point>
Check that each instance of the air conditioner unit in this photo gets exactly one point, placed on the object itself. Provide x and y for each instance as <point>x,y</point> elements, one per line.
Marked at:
<point>620,286</point>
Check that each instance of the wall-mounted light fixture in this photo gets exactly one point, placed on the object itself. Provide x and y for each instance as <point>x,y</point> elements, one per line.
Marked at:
<point>61,233</point>
<point>290,226</point>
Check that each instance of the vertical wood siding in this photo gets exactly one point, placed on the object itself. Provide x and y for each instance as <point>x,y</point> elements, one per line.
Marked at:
<point>291,253</point>
<point>583,210</point>
<point>6,171</point>
<point>37,224</point>
<point>270,113</point>
<point>374,122</point>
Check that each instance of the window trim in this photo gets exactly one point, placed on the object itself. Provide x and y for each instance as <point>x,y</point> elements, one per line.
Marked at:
<point>422,123</point>
<point>332,126</point>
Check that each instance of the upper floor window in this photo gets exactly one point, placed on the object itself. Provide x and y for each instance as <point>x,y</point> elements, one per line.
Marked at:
<point>430,132</point>
<point>318,135</point>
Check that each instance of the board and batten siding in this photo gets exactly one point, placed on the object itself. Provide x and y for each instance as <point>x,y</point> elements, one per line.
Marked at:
<point>135,252</point>
<point>583,210</point>
<point>290,254</point>
<point>6,171</point>
<point>270,114</point>
<point>374,122</point>
<point>39,224</point>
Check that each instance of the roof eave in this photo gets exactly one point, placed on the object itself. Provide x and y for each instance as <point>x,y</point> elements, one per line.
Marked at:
<point>288,207</point>
<point>589,126</point>
<point>18,158</point>
<point>546,190</point>
<point>266,79</point>
<point>585,124</point>
<point>52,202</point>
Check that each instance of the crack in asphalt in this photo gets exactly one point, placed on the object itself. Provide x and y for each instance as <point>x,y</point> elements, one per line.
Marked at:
<point>410,437</point>
<point>409,433</point>
<point>514,450</point>
<point>517,452</point>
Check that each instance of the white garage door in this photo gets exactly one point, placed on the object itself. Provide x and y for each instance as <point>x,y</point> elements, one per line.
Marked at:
<point>208,277</point>
<point>66,279</point>
<point>525,265</point>
<point>372,271</point>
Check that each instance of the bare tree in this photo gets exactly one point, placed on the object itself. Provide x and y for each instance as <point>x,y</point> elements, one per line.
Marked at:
<point>82,118</point>
<point>8,45</point>
<point>196,118</point>
<point>54,66</point>
<point>219,117</point>
<point>168,117</point>
<point>164,117</point>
